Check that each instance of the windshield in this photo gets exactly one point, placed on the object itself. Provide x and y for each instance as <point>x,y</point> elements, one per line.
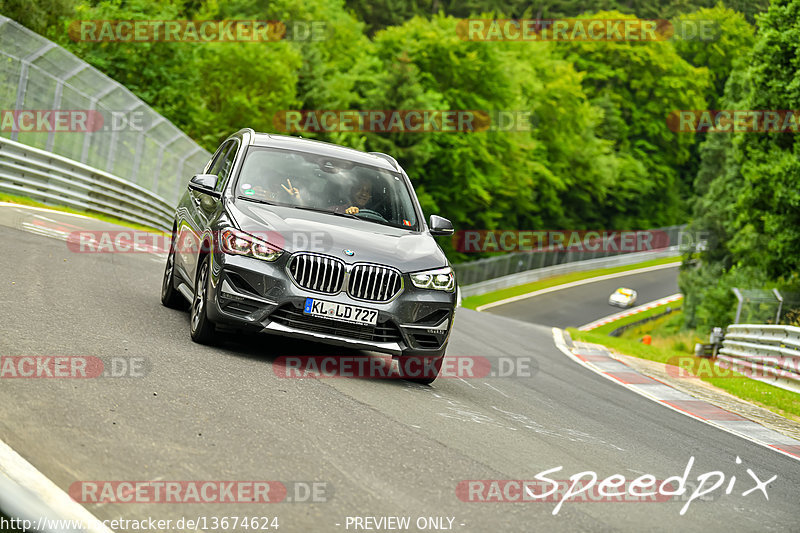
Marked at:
<point>339,187</point>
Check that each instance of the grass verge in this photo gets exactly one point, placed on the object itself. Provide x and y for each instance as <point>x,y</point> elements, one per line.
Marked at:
<point>606,329</point>
<point>669,342</point>
<point>471,302</point>
<point>24,200</point>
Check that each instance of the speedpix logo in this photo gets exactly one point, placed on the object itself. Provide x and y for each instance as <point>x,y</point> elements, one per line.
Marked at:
<point>589,487</point>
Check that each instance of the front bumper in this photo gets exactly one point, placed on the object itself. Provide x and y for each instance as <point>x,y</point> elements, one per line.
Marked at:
<point>258,295</point>
<point>621,303</point>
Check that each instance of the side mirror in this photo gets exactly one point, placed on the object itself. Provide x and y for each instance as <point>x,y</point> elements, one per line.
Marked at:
<point>205,183</point>
<point>440,226</point>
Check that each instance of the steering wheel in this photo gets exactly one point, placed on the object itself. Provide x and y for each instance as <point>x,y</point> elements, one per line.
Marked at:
<point>371,214</point>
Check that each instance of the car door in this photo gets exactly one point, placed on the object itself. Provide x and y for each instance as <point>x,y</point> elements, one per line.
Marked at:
<point>202,208</point>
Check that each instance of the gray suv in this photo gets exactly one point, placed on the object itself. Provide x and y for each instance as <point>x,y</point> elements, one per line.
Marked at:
<point>311,240</point>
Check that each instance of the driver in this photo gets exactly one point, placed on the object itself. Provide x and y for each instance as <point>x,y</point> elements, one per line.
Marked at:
<point>361,195</point>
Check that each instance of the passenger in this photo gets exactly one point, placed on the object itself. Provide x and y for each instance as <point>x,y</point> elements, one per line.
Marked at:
<point>280,192</point>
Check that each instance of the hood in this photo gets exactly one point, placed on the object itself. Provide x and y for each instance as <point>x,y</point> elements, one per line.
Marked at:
<point>296,230</point>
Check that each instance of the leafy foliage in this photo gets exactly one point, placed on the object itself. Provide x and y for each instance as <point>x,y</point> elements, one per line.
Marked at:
<point>598,152</point>
<point>379,14</point>
<point>750,182</point>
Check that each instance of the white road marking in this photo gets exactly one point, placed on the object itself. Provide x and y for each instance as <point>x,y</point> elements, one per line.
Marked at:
<point>468,383</point>
<point>636,310</point>
<point>575,284</point>
<point>23,474</point>
<point>155,256</point>
<point>40,217</point>
<point>558,339</point>
<point>46,210</point>
<point>498,390</point>
<point>47,232</point>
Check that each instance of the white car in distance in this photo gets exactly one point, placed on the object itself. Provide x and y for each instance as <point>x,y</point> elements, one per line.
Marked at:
<point>622,297</point>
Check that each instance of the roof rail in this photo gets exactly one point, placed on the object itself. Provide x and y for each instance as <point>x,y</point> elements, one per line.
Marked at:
<point>387,157</point>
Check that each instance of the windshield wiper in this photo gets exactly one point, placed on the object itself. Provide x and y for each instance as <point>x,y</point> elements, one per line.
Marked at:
<point>348,215</point>
<point>327,211</point>
<point>256,200</point>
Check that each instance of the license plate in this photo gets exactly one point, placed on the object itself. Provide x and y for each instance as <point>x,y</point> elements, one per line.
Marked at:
<point>341,312</point>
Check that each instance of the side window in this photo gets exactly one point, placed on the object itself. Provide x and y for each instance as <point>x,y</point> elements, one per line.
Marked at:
<point>217,159</point>
<point>225,168</point>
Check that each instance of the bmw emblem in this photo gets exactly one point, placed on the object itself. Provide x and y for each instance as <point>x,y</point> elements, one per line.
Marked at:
<point>349,253</point>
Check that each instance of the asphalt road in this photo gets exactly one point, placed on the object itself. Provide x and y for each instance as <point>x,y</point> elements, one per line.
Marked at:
<point>576,306</point>
<point>383,447</point>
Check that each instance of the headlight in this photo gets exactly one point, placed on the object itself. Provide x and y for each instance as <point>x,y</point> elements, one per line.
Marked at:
<point>240,243</point>
<point>441,279</point>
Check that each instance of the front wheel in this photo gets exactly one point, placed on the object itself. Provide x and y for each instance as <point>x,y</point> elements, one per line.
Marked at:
<point>170,297</point>
<point>201,328</point>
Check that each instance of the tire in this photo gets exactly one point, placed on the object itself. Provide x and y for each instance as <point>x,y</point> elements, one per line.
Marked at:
<point>170,297</point>
<point>200,327</point>
<point>427,380</point>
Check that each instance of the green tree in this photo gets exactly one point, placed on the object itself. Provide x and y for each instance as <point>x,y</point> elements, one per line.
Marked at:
<point>380,14</point>
<point>554,175</point>
<point>637,84</point>
<point>733,37</point>
<point>43,16</point>
<point>750,207</point>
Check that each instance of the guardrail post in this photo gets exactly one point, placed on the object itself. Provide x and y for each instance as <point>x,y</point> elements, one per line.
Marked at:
<point>87,140</point>
<point>739,307</point>
<point>51,136</point>
<point>22,84</point>
<point>112,150</point>
<point>780,305</point>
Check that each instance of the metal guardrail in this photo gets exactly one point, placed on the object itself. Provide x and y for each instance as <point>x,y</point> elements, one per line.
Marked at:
<point>28,496</point>
<point>54,179</point>
<point>512,263</point>
<point>575,264</point>
<point>765,352</point>
<point>132,141</point>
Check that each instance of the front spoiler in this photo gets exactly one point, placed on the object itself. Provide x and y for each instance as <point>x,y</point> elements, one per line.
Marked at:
<point>385,347</point>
